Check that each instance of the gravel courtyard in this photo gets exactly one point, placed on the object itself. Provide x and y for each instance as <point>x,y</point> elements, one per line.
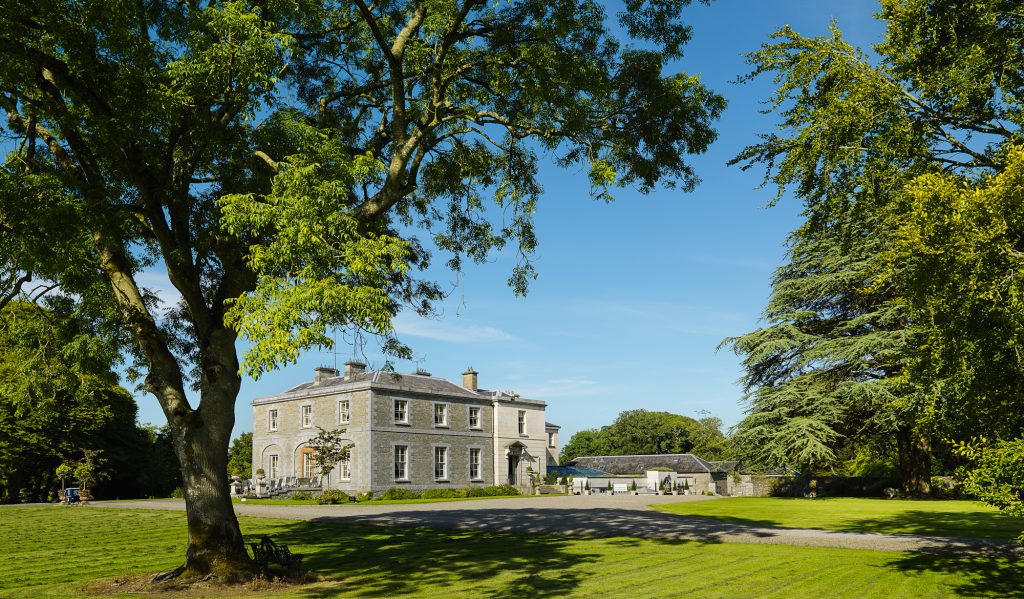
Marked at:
<point>596,515</point>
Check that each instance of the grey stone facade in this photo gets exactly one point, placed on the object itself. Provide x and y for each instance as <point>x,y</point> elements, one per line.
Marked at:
<point>413,431</point>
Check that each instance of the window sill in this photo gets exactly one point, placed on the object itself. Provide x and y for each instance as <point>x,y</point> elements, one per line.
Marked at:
<point>476,428</point>
<point>442,480</point>
<point>401,423</point>
<point>402,480</point>
<point>441,426</point>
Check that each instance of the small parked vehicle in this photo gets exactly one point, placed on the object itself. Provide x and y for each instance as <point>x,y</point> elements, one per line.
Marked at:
<point>71,495</point>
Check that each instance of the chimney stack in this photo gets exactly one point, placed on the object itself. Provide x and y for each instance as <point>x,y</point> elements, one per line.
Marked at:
<point>353,367</point>
<point>323,373</point>
<point>469,379</point>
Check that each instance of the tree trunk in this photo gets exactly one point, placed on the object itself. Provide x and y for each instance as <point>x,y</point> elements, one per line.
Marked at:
<point>915,460</point>
<point>201,439</point>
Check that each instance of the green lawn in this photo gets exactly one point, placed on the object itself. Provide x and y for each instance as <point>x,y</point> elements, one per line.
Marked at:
<point>937,518</point>
<point>52,551</point>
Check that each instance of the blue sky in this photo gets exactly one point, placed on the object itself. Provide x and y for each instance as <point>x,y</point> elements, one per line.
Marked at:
<point>633,297</point>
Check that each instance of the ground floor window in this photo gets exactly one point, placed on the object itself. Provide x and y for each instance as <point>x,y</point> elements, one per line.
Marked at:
<point>345,466</point>
<point>272,470</point>
<point>474,464</point>
<point>401,462</point>
<point>308,464</point>
<point>441,463</point>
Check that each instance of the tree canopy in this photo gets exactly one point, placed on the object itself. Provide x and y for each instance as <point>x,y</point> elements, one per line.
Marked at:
<point>642,432</point>
<point>855,348</point>
<point>290,163</point>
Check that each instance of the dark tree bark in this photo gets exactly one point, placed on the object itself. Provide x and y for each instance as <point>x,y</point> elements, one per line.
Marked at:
<point>915,461</point>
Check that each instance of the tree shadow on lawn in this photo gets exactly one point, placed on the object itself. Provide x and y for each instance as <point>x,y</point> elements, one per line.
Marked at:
<point>996,573</point>
<point>469,549</point>
<point>973,525</point>
<point>371,561</point>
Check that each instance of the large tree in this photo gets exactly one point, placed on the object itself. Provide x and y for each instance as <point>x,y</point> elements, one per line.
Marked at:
<point>939,97</point>
<point>281,159</point>
<point>59,396</point>
<point>643,432</point>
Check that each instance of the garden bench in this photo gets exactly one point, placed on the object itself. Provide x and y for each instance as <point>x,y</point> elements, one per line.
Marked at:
<point>267,552</point>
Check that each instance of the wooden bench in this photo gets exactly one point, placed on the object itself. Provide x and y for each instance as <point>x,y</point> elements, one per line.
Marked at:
<point>267,552</point>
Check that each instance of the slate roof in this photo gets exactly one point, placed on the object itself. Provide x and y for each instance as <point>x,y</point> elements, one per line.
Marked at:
<point>417,382</point>
<point>549,425</point>
<point>423,383</point>
<point>686,463</point>
<point>575,471</point>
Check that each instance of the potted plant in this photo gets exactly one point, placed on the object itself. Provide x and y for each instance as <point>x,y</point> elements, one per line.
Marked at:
<point>609,488</point>
<point>632,487</point>
<point>260,473</point>
<point>63,471</point>
<point>686,487</point>
<point>88,472</point>
<point>586,487</point>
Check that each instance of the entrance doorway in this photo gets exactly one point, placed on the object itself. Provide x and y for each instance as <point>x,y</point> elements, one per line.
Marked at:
<point>513,467</point>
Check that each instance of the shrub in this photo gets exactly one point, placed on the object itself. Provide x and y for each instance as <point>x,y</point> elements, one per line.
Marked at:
<point>178,493</point>
<point>632,486</point>
<point>367,496</point>
<point>399,493</point>
<point>444,493</point>
<point>564,481</point>
<point>301,495</point>
<point>499,490</point>
<point>330,497</point>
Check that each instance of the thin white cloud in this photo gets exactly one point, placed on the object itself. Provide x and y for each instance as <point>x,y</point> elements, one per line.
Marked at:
<point>450,332</point>
<point>572,386</point>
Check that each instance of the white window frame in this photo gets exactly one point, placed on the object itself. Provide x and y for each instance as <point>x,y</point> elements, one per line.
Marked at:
<point>405,411</point>
<point>444,410</point>
<point>405,462</point>
<point>304,411</point>
<point>345,466</point>
<point>444,453</point>
<point>308,464</point>
<point>479,463</point>
<point>272,419</point>
<point>344,411</point>
<point>479,417</point>
<point>551,440</point>
<point>522,422</point>
<point>273,463</point>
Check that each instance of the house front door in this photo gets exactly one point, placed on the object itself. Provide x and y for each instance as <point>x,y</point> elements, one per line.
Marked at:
<point>513,466</point>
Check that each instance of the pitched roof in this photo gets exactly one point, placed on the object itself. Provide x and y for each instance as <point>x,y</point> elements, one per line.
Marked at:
<point>417,382</point>
<point>575,471</point>
<point>631,464</point>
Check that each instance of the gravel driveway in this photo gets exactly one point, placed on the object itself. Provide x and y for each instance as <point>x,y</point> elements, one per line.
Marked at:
<point>596,516</point>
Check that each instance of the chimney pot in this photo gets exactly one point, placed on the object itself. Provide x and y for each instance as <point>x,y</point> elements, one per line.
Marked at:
<point>469,379</point>
<point>353,367</point>
<point>323,373</point>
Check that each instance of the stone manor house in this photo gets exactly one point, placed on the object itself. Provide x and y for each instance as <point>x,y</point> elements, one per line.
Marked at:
<point>407,430</point>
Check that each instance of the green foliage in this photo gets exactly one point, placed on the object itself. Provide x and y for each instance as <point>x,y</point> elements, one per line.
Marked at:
<point>178,493</point>
<point>329,447</point>
<point>400,493</point>
<point>301,496</point>
<point>632,485</point>
<point>864,344</point>
<point>284,161</point>
<point>995,474</point>
<point>59,394</point>
<point>240,456</point>
<point>639,432</point>
<point>330,497</point>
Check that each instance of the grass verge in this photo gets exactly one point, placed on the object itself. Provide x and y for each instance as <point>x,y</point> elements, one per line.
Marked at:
<point>929,518</point>
<point>54,551</point>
